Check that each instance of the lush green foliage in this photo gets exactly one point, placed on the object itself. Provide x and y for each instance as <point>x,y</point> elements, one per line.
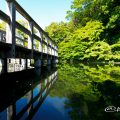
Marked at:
<point>92,33</point>
<point>58,30</point>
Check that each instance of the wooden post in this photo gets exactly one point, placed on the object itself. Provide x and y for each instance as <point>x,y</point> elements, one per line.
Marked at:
<point>47,46</point>
<point>41,34</point>
<point>49,61</point>
<point>40,44</point>
<point>10,31</point>
<point>51,48</point>
<point>54,50</point>
<point>26,63</point>
<point>37,65</point>
<point>11,112</point>
<point>30,98</point>
<point>39,49</point>
<point>5,65</point>
<point>30,38</point>
<point>54,61</point>
<point>39,87</point>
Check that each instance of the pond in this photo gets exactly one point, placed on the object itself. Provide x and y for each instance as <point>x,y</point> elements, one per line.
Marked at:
<point>71,92</point>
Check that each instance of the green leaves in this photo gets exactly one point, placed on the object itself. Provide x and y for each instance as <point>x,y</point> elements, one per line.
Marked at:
<point>98,50</point>
<point>92,33</point>
<point>80,40</point>
<point>58,31</point>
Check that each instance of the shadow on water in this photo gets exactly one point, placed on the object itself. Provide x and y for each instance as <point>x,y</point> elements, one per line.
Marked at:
<point>22,93</point>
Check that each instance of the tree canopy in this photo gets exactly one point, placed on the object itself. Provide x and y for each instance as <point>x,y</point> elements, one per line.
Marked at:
<point>92,33</point>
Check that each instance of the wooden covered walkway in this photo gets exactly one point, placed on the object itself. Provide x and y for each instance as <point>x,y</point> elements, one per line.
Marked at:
<point>39,47</point>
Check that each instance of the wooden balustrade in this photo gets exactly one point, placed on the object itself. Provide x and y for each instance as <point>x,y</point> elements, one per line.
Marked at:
<point>41,42</point>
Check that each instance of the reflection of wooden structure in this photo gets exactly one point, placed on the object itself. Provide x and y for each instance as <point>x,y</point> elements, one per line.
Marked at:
<point>45,51</point>
<point>27,90</point>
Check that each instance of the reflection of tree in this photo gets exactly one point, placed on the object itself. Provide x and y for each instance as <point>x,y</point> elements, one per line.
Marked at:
<point>90,89</point>
<point>102,73</point>
<point>110,92</point>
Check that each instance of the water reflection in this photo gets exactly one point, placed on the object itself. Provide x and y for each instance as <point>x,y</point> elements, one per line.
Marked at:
<point>21,98</point>
<point>89,89</point>
<point>82,92</point>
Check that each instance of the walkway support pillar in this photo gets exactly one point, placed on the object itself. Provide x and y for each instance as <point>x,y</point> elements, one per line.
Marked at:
<point>5,65</point>
<point>10,31</point>
<point>30,38</point>
<point>37,64</point>
<point>48,61</point>
<point>26,63</point>
<point>49,64</point>
<point>54,61</point>
<point>30,98</point>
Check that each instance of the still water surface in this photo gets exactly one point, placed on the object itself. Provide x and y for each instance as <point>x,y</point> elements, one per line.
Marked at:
<point>73,92</point>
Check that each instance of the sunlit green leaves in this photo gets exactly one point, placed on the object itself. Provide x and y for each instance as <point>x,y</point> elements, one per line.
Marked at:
<point>92,33</point>
<point>58,31</point>
<point>98,50</point>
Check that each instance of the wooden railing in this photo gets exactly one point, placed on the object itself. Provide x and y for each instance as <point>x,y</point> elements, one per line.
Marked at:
<point>2,36</point>
<point>41,42</point>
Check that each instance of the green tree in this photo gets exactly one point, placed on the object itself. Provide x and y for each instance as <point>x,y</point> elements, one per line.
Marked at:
<point>59,31</point>
<point>92,33</point>
<point>74,46</point>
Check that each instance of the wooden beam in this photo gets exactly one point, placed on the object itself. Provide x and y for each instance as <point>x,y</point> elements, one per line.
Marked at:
<point>38,27</point>
<point>49,46</point>
<point>10,31</point>
<point>10,0</point>
<point>43,42</point>
<point>37,37</point>
<point>23,12</point>
<point>30,38</point>
<point>22,28</point>
<point>43,32</point>
<point>13,24</point>
<point>28,17</point>
<point>4,17</point>
<point>21,39</point>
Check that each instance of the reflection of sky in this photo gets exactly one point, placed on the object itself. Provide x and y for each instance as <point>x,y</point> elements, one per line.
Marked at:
<point>52,109</point>
<point>50,106</point>
<point>21,103</point>
<point>35,104</point>
<point>35,91</point>
<point>3,115</point>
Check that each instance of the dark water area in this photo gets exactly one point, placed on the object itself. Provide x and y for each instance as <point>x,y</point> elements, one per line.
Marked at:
<point>70,92</point>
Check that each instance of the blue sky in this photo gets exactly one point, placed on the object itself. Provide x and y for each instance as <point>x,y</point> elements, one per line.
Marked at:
<point>45,11</point>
